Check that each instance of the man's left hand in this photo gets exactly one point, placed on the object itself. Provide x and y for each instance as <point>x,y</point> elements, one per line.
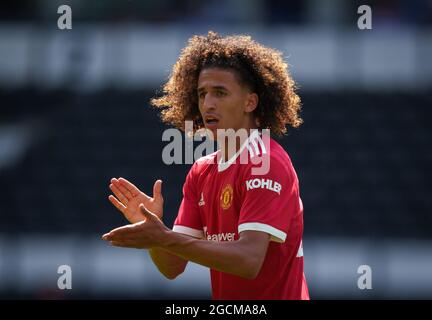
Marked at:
<point>141,235</point>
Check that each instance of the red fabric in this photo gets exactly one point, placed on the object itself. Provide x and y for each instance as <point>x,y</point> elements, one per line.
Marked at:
<point>216,203</point>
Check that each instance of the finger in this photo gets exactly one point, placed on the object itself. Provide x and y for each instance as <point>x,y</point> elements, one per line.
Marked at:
<point>115,182</point>
<point>117,203</point>
<point>147,214</point>
<point>157,190</point>
<point>124,230</point>
<point>124,244</point>
<point>120,195</point>
<point>125,191</point>
<point>121,237</point>
<point>129,186</point>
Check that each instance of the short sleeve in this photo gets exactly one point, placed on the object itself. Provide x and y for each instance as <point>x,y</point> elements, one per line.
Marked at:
<point>270,201</point>
<point>188,219</point>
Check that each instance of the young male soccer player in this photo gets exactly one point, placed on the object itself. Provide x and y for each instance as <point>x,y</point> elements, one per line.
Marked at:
<point>246,225</point>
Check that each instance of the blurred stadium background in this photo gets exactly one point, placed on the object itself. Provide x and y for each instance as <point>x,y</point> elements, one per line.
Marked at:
<point>74,113</point>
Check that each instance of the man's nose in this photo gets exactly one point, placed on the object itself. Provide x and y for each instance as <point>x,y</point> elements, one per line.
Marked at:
<point>209,102</point>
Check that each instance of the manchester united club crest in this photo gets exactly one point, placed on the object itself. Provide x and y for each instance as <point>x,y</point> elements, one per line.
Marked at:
<point>226,197</point>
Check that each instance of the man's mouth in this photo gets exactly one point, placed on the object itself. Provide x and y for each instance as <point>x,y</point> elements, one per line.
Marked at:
<point>210,120</point>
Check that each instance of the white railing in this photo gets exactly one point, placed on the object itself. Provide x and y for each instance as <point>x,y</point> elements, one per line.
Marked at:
<point>91,57</point>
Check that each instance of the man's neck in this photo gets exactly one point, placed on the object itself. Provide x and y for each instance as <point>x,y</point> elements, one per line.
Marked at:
<point>229,146</point>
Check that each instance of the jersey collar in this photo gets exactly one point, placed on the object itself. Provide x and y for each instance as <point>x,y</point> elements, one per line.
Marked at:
<point>222,166</point>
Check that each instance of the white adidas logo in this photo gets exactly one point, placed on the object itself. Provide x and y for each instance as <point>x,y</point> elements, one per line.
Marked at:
<point>201,202</point>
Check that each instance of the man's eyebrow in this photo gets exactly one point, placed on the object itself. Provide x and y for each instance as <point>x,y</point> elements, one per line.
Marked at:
<point>214,88</point>
<point>220,88</point>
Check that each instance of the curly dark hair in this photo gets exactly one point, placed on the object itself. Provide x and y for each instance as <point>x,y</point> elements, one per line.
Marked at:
<point>262,69</point>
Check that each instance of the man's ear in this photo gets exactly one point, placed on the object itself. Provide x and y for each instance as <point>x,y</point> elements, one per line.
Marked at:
<point>251,102</point>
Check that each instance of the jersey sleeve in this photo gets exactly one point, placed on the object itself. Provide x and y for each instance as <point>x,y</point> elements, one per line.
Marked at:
<point>270,201</point>
<point>188,219</point>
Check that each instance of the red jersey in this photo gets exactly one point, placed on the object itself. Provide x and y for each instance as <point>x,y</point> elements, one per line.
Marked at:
<point>220,200</point>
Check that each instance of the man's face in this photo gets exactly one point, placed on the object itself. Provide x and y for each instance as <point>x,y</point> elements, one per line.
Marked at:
<point>224,103</point>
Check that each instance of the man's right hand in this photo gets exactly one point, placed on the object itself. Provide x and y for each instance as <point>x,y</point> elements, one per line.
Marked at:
<point>128,198</point>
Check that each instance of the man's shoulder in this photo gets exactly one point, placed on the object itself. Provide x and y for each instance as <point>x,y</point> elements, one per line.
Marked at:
<point>278,154</point>
<point>206,160</point>
<point>271,151</point>
<point>202,163</point>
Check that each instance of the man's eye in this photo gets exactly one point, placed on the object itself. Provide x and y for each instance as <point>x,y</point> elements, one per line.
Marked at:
<point>220,93</point>
<point>201,95</point>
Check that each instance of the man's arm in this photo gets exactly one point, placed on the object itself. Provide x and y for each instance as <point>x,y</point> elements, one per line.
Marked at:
<point>167,263</point>
<point>243,257</point>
